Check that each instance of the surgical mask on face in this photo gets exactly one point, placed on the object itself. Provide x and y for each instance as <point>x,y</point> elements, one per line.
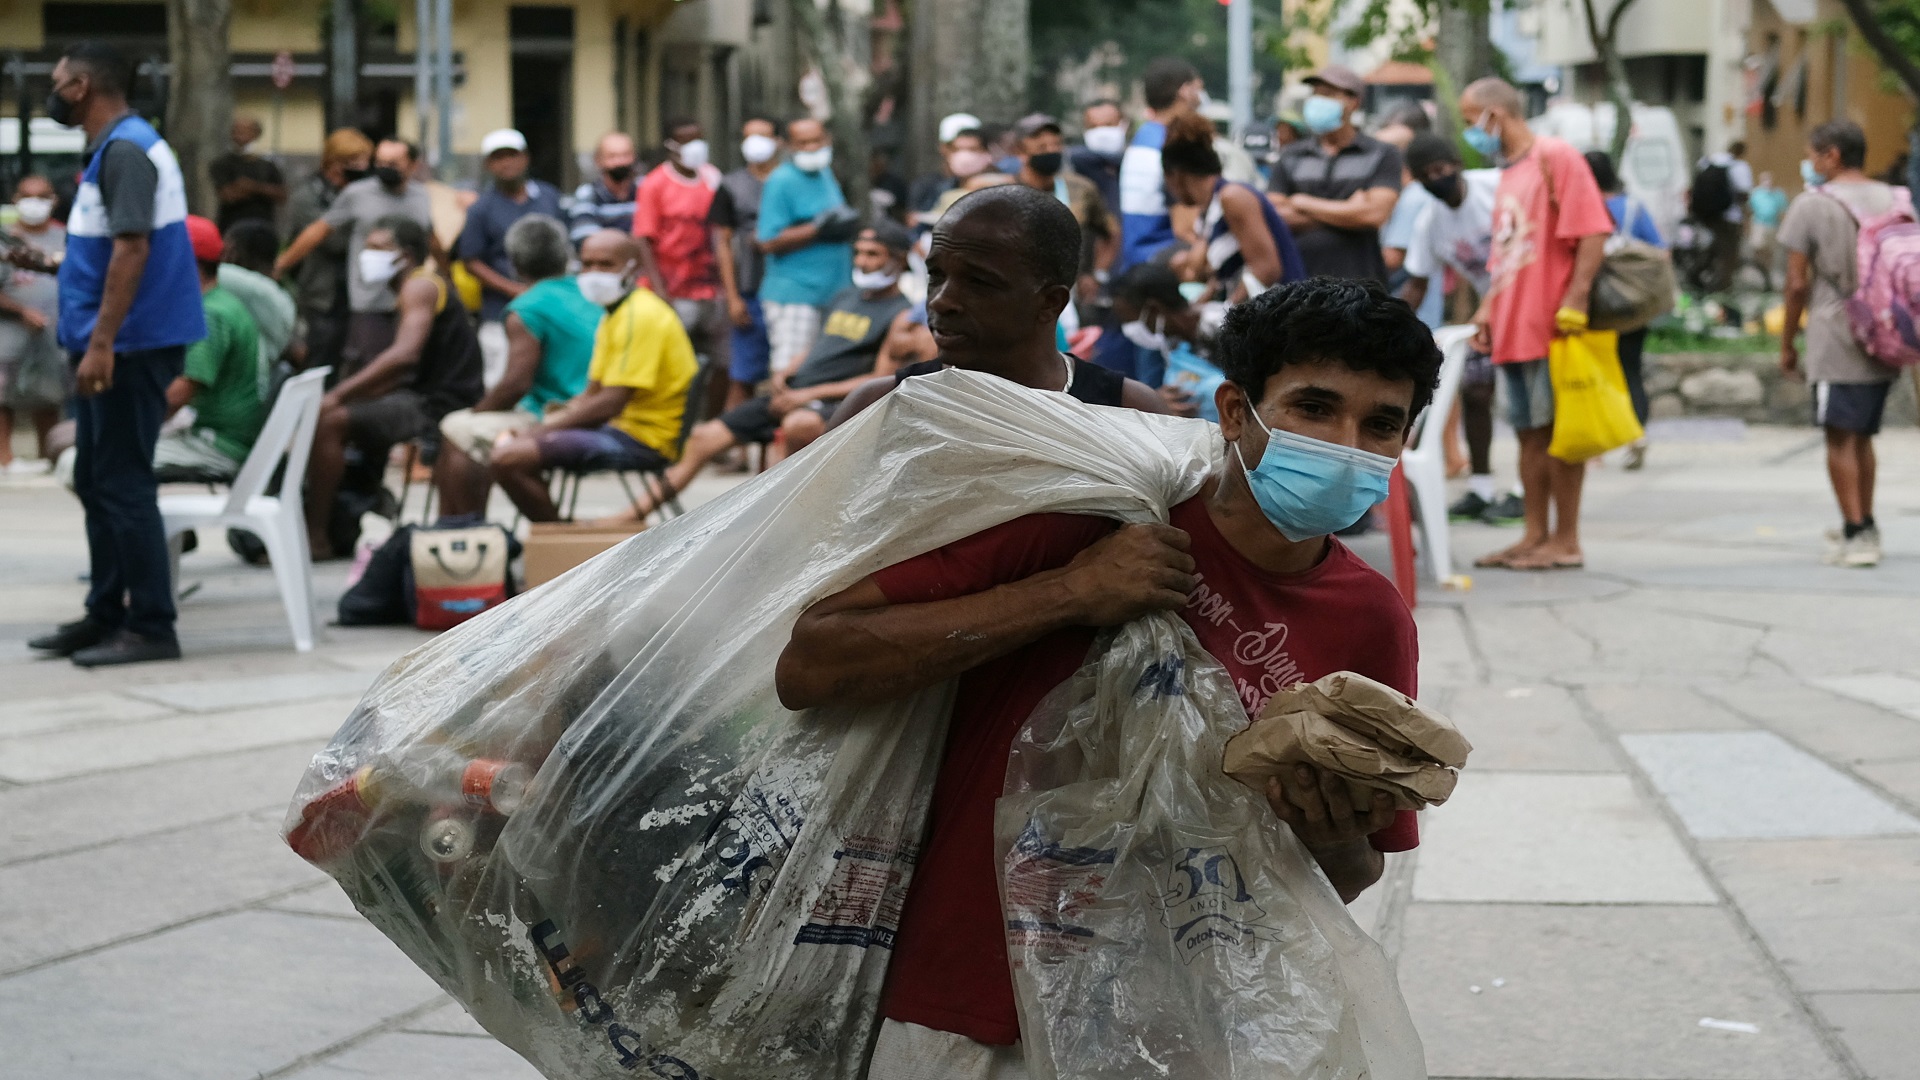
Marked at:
<point>758,148</point>
<point>1809,175</point>
<point>1443,188</point>
<point>1484,142</point>
<point>1309,488</point>
<point>378,267</point>
<point>812,161</point>
<point>1106,141</point>
<point>602,287</point>
<point>1153,340</point>
<point>1323,114</point>
<point>33,211</point>
<point>968,163</point>
<point>875,279</point>
<point>692,153</point>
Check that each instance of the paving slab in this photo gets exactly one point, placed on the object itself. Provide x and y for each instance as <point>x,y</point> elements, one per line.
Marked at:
<point>422,1056</point>
<point>1598,993</point>
<point>67,903</point>
<point>327,898</point>
<point>43,819</point>
<point>1527,726</point>
<point>55,755</point>
<point>1642,706</point>
<point>1735,784</point>
<point>67,711</point>
<point>230,997</point>
<point>1445,657</point>
<point>1552,838</point>
<point>1840,729</point>
<point>1879,1030</point>
<point>1901,779</point>
<point>217,695</point>
<point>1895,692</point>
<point>449,1019</point>
<point>1840,914</point>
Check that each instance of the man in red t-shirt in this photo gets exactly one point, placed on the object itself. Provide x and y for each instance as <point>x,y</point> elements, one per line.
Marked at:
<point>676,247</point>
<point>1324,379</point>
<point>1550,229</point>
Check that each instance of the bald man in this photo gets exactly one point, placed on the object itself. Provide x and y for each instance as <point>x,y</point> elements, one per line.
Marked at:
<point>1002,267</point>
<point>628,418</point>
<point>606,201</point>
<point>249,187</point>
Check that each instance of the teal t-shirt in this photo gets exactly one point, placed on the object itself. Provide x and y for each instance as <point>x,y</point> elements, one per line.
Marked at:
<point>1767,204</point>
<point>816,272</point>
<point>226,364</point>
<point>564,323</point>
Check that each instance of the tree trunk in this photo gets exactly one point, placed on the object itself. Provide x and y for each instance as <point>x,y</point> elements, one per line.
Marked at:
<point>967,56</point>
<point>199,92</point>
<point>1892,57</point>
<point>832,36</point>
<point>1463,44</point>
<point>1619,91</point>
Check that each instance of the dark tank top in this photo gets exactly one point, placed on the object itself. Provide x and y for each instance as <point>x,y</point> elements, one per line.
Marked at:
<point>1092,383</point>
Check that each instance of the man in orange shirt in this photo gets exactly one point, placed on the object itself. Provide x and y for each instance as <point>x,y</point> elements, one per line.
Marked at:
<point>676,248</point>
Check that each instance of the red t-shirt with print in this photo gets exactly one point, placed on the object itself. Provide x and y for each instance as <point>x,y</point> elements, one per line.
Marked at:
<point>949,969</point>
<point>670,212</point>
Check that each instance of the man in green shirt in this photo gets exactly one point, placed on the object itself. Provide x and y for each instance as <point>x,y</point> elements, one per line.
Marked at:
<point>222,381</point>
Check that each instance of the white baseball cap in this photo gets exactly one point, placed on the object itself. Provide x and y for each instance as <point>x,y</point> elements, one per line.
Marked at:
<point>955,123</point>
<point>502,139</point>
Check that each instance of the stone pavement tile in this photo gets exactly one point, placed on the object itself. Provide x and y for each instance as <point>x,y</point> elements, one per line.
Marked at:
<point>41,819</point>
<point>1527,727</point>
<point>230,997</point>
<point>1524,645</point>
<point>327,898</point>
<point>1837,728</point>
<point>1445,657</point>
<point>67,903</point>
<point>1654,642</point>
<point>1879,1030</point>
<point>216,695</point>
<point>449,1019</point>
<point>65,712</point>
<point>1552,838</point>
<point>1738,784</point>
<point>174,738</point>
<point>1609,993</point>
<point>417,1056</point>
<point>1897,693</point>
<point>1658,707</point>
<point>1839,914</point>
<point>1900,778</point>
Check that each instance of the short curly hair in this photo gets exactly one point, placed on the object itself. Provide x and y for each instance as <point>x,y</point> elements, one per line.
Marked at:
<point>1356,324</point>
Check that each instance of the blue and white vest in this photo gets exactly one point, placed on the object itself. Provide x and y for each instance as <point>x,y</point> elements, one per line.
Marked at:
<point>166,307</point>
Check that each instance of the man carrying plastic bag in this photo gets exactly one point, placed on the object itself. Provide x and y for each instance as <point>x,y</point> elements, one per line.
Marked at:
<point>1132,912</point>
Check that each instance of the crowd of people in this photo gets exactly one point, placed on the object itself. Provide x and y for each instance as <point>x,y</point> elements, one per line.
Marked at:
<point>657,320</point>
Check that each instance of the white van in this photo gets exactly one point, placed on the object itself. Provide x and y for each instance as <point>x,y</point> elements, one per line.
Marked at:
<point>1655,169</point>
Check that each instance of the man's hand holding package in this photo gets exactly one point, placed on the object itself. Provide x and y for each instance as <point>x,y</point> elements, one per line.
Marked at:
<point>1319,807</point>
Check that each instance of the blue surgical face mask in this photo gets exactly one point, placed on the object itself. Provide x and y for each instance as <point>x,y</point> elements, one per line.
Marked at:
<point>1809,175</point>
<point>1310,488</point>
<point>1323,114</point>
<point>1484,142</point>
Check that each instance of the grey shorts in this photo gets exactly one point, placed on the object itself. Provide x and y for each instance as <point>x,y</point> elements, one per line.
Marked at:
<point>1529,388</point>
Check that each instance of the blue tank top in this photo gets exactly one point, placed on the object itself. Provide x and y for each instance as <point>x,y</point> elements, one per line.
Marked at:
<point>166,307</point>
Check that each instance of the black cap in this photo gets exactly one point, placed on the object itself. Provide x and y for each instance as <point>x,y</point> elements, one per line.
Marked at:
<point>1427,148</point>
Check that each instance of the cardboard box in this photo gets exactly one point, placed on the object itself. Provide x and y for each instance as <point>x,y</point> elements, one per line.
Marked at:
<point>555,547</point>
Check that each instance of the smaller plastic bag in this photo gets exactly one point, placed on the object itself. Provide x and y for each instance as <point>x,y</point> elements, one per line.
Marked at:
<point>1592,412</point>
<point>1196,377</point>
<point>1161,921</point>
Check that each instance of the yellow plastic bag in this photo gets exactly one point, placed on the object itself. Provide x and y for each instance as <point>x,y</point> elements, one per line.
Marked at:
<point>1592,412</point>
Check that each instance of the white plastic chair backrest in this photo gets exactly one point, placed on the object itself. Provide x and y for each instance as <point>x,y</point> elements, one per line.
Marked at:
<point>287,433</point>
<point>1454,343</point>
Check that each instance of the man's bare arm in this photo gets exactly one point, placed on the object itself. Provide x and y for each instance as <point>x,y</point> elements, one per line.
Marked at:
<point>1366,209</point>
<point>385,372</point>
<point>310,237</point>
<point>1586,265</point>
<point>597,405</point>
<point>523,363</point>
<point>494,279</point>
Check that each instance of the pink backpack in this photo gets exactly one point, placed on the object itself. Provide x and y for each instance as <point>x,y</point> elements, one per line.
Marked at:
<point>1884,310</point>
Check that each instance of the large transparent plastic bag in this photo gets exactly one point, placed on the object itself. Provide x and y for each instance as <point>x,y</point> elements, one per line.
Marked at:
<point>586,814</point>
<point>1161,921</point>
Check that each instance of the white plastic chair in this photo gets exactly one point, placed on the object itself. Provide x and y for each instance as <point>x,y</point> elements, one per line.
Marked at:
<point>1424,461</point>
<point>276,519</point>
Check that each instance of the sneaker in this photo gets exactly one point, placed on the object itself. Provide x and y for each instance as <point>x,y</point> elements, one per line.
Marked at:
<point>126,647</point>
<point>1836,546</point>
<point>71,637</point>
<point>1861,551</point>
<point>1469,508</point>
<point>1507,508</point>
<point>1635,457</point>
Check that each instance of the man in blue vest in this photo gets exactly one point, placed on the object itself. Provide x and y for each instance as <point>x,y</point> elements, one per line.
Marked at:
<point>129,307</point>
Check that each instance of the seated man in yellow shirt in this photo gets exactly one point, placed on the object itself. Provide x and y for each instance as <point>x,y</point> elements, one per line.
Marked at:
<point>629,415</point>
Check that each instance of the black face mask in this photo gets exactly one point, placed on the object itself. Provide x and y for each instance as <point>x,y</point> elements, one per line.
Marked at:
<point>59,110</point>
<point>1446,188</point>
<point>389,176</point>
<point>619,173</point>
<point>350,175</point>
<point>1046,164</point>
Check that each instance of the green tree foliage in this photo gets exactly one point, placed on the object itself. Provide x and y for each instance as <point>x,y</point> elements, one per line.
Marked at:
<point>1068,34</point>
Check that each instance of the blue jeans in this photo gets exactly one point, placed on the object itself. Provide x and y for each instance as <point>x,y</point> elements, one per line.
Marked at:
<point>132,583</point>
